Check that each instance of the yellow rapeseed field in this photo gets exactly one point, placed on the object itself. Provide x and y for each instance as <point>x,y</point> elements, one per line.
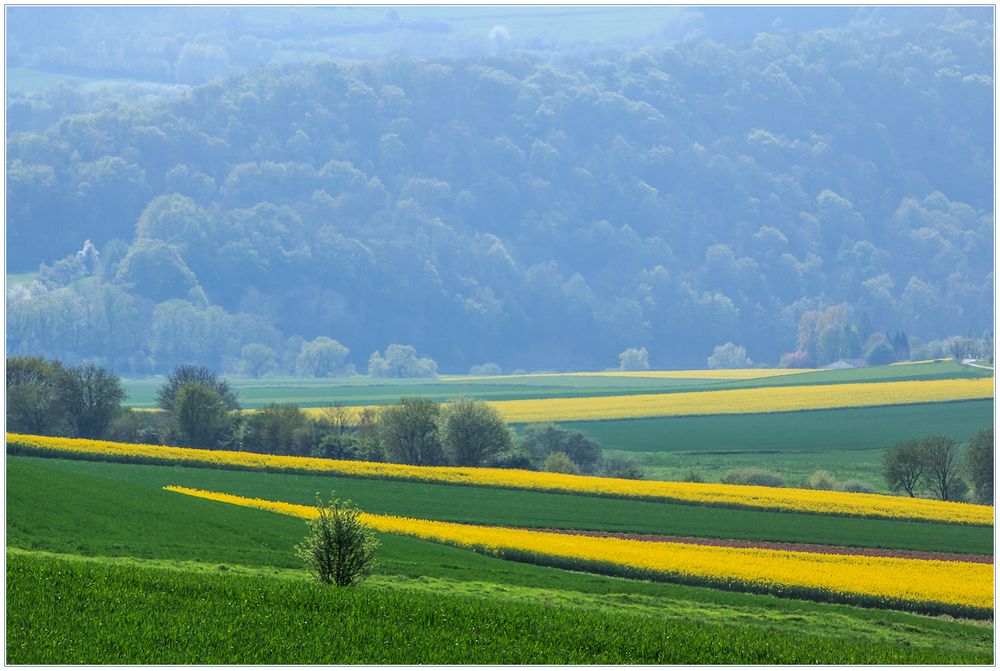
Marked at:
<point>737,401</point>
<point>741,496</point>
<point>713,374</point>
<point>906,580</point>
<point>741,401</point>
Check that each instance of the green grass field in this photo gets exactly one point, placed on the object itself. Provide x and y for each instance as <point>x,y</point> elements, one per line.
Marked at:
<point>362,390</point>
<point>847,442</point>
<point>806,431</point>
<point>143,615</point>
<point>226,577</point>
<point>132,487</point>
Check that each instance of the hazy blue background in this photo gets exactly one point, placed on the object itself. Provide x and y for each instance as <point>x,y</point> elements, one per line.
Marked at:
<point>540,187</point>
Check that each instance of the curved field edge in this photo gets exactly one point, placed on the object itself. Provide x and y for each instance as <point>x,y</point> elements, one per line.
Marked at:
<point>739,496</point>
<point>127,614</point>
<point>119,511</point>
<point>71,487</point>
<point>760,568</point>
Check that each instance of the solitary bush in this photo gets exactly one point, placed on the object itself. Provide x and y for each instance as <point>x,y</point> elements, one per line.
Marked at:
<point>693,476</point>
<point>559,462</point>
<point>856,487</point>
<point>339,549</point>
<point>752,476</point>
<point>822,480</point>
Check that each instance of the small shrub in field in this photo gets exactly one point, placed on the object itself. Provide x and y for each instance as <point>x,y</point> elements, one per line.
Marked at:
<point>559,462</point>
<point>339,549</point>
<point>856,487</point>
<point>752,476</point>
<point>693,476</point>
<point>822,480</point>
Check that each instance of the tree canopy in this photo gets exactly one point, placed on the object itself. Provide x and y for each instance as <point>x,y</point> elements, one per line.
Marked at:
<point>516,207</point>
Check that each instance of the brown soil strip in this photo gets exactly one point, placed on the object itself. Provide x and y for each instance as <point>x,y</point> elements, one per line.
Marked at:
<point>772,545</point>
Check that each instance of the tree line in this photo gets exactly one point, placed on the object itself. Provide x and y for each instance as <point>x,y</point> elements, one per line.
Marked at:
<point>198,408</point>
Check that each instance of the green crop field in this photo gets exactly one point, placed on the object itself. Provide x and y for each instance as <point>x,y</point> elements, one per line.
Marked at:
<point>806,431</point>
<point>104,564</point>
<point>141,615</point>
<point>70,481</point>
<point>847,442</point>
<point>138,608</point>
<point>362,390</point>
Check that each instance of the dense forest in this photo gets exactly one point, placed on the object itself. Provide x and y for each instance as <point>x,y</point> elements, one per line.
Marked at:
<point>512,207</point>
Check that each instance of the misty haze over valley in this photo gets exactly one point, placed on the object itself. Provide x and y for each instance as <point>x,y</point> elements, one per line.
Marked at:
<point>535,188</point>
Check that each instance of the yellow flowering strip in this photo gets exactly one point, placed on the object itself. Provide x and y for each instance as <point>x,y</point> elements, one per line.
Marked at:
<point>713,374</point>
<point>735,401</point>
<point>888,580</point>
<point>740,401</point>
<point>735,496</point>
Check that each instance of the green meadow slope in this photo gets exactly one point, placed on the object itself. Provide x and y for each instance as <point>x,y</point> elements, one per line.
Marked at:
<point>130,488</point>
<point>166,572</point>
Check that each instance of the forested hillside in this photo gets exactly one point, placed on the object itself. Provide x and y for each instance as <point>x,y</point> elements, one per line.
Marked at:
<point>514,208</point>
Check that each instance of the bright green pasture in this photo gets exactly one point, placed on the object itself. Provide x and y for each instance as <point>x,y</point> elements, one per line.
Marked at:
<point>74,611</point>
<point>56,506</point>
<point>53,499</point>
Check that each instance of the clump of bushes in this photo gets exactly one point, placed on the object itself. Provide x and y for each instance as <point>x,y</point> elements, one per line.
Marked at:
<point>559,462</point>
<point>621,466</point>
<point>752,476</point>
<point>822,480</point>
<point>856,487</point>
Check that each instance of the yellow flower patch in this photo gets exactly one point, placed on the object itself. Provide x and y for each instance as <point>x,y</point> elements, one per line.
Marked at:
<point>713,374</point>
<point>897,580</point>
